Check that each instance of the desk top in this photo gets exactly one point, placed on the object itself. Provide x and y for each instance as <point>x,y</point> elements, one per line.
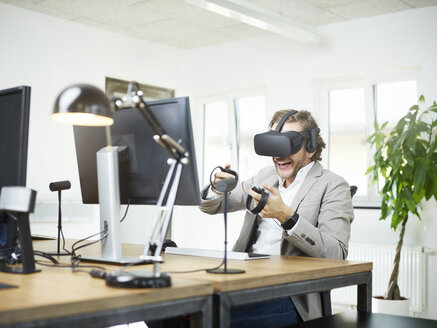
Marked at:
<point>275,270</point>
<point>263,272</point>
<point>57,292</point>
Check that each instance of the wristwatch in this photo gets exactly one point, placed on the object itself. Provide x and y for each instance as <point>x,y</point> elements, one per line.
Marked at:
<point>290,222</point>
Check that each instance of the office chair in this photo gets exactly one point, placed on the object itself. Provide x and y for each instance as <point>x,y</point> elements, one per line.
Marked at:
<point>326,296</point>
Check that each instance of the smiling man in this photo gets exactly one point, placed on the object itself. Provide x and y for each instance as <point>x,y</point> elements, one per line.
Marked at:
<point>308,212</point>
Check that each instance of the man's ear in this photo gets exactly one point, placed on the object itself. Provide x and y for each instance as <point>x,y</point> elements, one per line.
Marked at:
<point>310,155</point>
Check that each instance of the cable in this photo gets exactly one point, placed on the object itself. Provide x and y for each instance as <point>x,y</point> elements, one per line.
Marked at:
<point>60,265</point>
<point>63,244</point>
<point>125,213</point>
<point>75,259</point>
<point>45,255</point>
<point>197,270</point>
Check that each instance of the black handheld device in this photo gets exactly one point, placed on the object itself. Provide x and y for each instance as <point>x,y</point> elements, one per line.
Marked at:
<point>262,202</point>
<point>225,185</point>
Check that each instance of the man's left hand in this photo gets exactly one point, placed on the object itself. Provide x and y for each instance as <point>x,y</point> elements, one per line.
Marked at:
<point>275,207</point>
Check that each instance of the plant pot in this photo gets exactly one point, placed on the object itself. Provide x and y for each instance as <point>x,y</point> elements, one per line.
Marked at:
<point>396,307</point>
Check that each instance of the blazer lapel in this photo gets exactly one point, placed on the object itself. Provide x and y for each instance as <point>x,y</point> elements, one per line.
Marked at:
<point>310,179</point>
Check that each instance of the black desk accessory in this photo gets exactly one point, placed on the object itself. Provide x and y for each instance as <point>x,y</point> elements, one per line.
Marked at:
<point>225,186</point>
<point>6,286</point>
<point>262,202</point>
<point>128,279</point>
<point>59,186</point>
<point>17,202</point>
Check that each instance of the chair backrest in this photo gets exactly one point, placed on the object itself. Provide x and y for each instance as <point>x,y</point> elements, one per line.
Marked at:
<point>353,190</point>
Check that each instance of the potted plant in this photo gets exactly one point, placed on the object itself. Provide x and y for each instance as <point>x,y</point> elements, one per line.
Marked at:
<point>406,159</point>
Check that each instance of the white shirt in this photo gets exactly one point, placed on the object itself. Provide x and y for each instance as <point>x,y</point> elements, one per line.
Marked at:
<point>270,230</point>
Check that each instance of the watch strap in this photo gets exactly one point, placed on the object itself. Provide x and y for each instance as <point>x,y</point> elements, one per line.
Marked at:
<point>290,222</point>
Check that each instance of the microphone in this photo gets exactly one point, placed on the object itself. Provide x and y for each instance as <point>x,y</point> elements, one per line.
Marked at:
<point>60,185</point>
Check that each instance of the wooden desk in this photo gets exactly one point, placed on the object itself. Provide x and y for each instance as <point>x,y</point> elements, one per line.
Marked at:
<point>279,276</point>
<point>265,279</point>
<point>58,297</point>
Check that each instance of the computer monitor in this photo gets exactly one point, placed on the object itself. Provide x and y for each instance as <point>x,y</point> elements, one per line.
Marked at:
<point>142,162</point>
<point>14,129</point>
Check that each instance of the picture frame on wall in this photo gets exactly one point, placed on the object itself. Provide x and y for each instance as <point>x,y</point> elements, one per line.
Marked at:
<point>118,88</point>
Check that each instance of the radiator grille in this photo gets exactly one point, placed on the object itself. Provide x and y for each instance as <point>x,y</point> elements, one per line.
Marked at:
<point>412,273</point>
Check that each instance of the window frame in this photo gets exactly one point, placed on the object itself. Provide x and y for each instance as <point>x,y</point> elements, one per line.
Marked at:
<point>229,97</point>
<point>368,82</point>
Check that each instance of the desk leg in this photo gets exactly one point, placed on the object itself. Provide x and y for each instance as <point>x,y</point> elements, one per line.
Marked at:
<point>364,295</point>
<point>205,317</point>
<point>222,311</point>
<point>326,303</point>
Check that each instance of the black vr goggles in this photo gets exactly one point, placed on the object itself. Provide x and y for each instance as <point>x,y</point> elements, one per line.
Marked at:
<point>283,144</point>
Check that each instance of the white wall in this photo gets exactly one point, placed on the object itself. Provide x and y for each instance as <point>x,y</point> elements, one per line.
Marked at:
<point>48,54</point>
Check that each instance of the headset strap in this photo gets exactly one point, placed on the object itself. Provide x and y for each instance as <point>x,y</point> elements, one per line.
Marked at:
<point>283,119</point>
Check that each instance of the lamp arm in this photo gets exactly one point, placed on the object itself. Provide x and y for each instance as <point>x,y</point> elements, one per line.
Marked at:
<point>148,116</point>
<point>175,149</point>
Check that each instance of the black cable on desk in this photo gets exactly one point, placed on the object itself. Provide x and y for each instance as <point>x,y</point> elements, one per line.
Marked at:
<point>76,258</point>
<point>198,270</point>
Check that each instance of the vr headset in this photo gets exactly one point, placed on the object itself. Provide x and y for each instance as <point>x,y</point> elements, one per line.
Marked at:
<point>283,144</point>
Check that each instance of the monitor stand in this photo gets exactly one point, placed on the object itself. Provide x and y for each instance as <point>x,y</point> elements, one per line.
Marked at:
<point>109,200</point>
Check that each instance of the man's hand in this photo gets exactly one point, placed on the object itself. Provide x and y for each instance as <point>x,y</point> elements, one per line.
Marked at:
<point>220,175</point>
<point>275,207</point>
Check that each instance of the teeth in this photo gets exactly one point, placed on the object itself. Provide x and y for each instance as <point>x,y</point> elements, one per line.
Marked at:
<point>282,163</point>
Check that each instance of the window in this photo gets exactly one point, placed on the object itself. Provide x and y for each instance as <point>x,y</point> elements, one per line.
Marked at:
<point>228,129</point>
<point>251,119</point>
<point>347,135</point>
<point>216,137</point>
<point>393,100</point>
<point>348,110</point>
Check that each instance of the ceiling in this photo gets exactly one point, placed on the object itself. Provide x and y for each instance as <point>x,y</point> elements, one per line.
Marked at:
<point>182,25</point>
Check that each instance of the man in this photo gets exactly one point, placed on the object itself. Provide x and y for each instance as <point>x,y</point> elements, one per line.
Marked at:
<point>308,213</point>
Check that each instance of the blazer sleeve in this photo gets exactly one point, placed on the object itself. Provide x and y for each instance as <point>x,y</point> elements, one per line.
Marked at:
<point>237,197</point>
<point>325,216</point>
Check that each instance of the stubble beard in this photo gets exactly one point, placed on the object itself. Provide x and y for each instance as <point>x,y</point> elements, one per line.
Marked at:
<point>298,164</point>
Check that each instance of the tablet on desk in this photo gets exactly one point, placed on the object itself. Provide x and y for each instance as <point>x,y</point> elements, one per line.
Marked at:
<point>213,253</point>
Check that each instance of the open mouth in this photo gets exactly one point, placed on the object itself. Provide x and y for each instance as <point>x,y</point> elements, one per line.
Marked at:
<point>283,164</point>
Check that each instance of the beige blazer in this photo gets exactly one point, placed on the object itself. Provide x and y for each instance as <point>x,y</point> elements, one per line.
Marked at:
<point>323,230</point>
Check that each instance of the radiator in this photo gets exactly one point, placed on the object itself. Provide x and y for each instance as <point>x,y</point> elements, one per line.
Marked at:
<point>412,278</point>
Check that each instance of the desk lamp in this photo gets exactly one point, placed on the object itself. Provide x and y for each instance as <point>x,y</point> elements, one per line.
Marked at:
<point>84,104</point>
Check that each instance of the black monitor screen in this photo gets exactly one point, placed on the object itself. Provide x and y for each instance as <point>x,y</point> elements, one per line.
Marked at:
<point>14,127</point>
<point>143,164</point>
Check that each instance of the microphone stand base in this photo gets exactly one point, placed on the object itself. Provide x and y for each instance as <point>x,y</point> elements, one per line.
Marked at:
<point>225,271</point>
